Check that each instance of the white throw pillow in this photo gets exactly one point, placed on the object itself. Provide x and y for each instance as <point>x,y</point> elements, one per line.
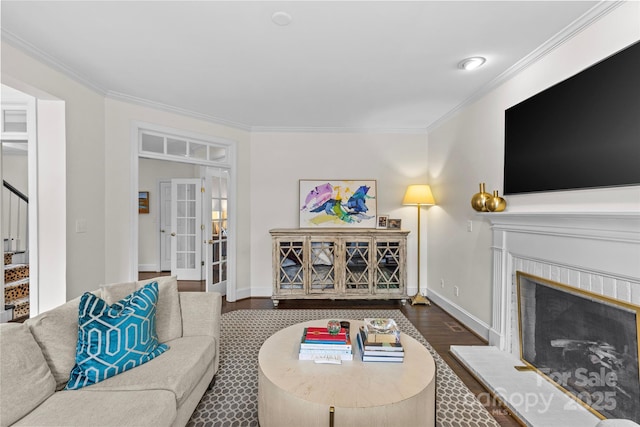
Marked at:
<point>56,332</point>
<point>26,378</point>
<point>168,314</point>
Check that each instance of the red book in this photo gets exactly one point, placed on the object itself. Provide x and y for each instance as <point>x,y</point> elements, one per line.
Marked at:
<point>321,334</point>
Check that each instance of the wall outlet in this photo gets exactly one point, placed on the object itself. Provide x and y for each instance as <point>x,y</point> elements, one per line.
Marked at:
<point>456,291</point>
<point>442,283</point>
<point>469,226</point>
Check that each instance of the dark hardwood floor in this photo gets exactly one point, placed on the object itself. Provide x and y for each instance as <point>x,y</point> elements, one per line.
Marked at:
<point>436,325</point>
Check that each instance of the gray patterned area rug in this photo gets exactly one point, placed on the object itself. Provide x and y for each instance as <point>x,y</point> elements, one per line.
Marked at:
<point>233,401</point>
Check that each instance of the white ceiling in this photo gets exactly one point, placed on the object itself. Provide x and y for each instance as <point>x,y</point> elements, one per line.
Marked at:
<point>339,65</point>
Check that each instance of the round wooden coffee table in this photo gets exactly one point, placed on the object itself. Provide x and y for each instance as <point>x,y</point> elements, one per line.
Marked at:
<point>294,392</point>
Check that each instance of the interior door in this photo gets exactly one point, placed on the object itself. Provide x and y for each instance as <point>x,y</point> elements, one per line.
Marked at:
<point>186,229</point>
<point>165,225</point>
<point>217,191</point>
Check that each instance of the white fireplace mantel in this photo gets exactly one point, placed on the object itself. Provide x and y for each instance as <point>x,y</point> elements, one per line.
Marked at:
<point>596,251</point>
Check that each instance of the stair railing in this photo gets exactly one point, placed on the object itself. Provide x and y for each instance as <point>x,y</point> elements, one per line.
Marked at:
<point>16,211</point>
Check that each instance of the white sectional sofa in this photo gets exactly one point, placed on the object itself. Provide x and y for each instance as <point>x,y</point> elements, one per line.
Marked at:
<point>36,359</point>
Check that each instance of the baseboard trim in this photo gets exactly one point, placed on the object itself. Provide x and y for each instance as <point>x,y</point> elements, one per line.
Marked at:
<point>476,325</point>
<point>246,293</point>
<point>148,268</point>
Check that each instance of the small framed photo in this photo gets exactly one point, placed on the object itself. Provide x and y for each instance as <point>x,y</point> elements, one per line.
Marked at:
<point>383,221</point>
<point>394,224</point>
<point>143,202</point>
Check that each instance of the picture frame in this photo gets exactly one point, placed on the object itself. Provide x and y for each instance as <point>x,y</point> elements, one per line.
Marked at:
<point>143,202</point>
<point>394,223</point>
<point>331,203</point>
<point>383,221</point>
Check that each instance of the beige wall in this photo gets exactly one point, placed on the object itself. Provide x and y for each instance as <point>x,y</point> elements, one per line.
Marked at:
<point>84,170</point>
<point>98,172</point>
<point>150,173</point>
<point>468,149</point>
<point>120,117</point>
<point>461,152</point>
<point>14,171</point>
<point>279,160</point>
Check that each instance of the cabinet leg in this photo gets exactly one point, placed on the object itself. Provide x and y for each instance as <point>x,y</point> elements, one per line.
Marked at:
<point>275,303</point>
<point>403,301</point>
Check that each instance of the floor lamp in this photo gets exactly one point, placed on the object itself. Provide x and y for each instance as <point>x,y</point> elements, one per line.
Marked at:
<point>418,195</point>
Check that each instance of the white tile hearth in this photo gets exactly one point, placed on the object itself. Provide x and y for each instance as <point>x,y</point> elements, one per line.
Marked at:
<point>530,397</point>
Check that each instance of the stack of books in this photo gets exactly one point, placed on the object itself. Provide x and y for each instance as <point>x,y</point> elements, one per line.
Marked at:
<point>318,344</point>
<point>379,341</point>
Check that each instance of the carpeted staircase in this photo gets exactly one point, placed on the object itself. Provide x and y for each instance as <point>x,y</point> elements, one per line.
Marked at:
<point>16,283</point>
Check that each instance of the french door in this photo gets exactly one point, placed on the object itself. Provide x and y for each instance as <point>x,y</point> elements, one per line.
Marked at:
<point>186,228</point>
<point>217,194</point>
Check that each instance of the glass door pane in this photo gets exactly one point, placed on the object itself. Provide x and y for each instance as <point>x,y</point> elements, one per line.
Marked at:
<point>185,212</point>
<point>219,181</point>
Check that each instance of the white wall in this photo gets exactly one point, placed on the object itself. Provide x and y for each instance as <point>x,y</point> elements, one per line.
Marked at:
<point>14,170</point>
<point>120,117</point>
<point>468,149</point>
<point>81,196</point>
<point>150,173</point>
<point>279,160</point>
<point>98,173</point>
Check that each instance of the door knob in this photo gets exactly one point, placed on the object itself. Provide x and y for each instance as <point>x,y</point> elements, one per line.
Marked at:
<point>173,234</point>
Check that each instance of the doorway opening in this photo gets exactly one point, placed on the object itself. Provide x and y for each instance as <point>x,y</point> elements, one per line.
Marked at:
<point>17,156</point>
<point>188,229</point>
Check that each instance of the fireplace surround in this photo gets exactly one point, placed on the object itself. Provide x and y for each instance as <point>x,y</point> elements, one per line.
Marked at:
<point>586,343</point>
<point>594,251</point>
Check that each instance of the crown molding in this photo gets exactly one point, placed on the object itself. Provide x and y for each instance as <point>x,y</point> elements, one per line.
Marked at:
<point>176,110</point>
<point>49,60</point>
<point>596,12</point>
<point>57,65</point>
<point>338,129</point>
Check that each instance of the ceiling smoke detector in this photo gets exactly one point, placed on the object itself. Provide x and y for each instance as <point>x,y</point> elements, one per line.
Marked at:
<point>472,63</point>
<point>281,18</point>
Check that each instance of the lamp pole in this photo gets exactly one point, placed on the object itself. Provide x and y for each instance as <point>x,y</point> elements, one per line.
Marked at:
<point>418,298</point>
<point>419,195</point>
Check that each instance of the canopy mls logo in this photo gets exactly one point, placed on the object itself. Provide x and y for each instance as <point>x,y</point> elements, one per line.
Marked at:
<point>602,399</point>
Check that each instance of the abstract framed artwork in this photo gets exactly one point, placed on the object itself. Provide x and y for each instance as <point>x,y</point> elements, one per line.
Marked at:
<point>337,203</point>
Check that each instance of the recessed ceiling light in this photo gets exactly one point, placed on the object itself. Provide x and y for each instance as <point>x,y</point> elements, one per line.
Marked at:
<point>472,63</point>
<point>281,18</point>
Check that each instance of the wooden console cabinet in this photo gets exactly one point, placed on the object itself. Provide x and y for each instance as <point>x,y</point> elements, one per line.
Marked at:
<point>339,264</point>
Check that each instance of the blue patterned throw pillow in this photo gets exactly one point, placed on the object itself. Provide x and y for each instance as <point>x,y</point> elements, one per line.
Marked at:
<point>115,338</point>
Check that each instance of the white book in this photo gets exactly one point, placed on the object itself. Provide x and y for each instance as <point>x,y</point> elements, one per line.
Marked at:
<point>319,356</point>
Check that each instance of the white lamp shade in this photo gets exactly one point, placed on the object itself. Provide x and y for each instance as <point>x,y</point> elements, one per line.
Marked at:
<point>418,194</point>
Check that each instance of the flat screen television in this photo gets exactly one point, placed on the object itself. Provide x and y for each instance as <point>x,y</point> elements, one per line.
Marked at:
<point>583,132</point>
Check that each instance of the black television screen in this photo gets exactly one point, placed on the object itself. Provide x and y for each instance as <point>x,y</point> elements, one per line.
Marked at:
<point>583,132</point>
